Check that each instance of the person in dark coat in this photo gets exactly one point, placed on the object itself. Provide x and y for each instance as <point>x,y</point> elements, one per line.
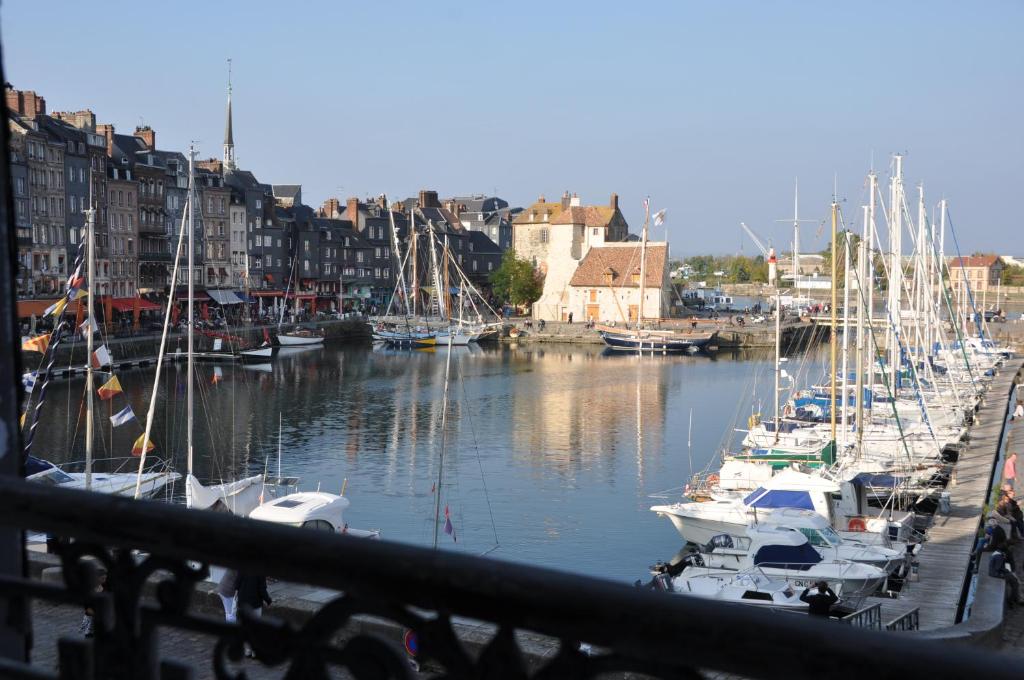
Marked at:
<point>252,591</point>
<point>821,600</point>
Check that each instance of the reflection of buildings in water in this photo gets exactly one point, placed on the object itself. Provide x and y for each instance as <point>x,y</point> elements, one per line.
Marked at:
<point>587,405</point>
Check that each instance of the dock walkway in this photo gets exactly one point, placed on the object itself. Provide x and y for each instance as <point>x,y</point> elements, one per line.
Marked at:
<point>945,558</point>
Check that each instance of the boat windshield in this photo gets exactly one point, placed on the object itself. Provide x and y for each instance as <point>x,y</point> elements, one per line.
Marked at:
<point>825,538</point>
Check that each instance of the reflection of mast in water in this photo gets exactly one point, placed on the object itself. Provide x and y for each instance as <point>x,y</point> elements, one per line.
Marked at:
<point>639,423</point>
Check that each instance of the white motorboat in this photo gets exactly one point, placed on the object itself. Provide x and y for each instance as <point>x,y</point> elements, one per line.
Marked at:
<point>752,587</point>
<point>153,478</point>
<point>311,510</point>
<point>786,554</point>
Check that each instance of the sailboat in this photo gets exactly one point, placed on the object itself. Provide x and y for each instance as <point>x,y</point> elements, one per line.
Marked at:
<point>297,336</point>
<point>648,340</point>
<point>239,497</point>
<point>150,479</point>
<point>392,334</point>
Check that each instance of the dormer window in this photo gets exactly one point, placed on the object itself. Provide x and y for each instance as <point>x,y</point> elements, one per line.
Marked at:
<point>608,276</point>
<point>636,277</point>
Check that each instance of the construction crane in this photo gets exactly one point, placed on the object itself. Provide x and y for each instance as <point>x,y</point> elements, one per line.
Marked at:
<point>768,252</point>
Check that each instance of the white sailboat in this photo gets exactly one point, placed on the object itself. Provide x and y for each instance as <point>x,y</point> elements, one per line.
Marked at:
<point>297,336</point>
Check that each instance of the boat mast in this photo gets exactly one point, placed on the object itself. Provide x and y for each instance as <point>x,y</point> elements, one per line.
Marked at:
<point>778,356</point>
<point>832,327</point>
<point>895,266</point>
<point>846,331</point>
<point>191,323</point>
<point>643,264</point>
<point>414,255</point>
<point>796,234</point>
<point>444,426</point>
<point>869,280</point>
<point>861,332</point>
<point>90,220</point>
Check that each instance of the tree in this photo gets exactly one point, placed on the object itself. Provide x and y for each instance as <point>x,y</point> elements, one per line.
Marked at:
<point>515,281</point>
<point>840,255</point>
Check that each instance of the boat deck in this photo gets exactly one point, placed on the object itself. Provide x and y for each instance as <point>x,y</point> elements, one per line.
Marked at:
<point>945,557</point>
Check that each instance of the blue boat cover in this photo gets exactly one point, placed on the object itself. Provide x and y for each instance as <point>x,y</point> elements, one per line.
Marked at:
<point>779,499</point>
<point>801,557</point>
<point>35,465</point>
<point>878,481</point>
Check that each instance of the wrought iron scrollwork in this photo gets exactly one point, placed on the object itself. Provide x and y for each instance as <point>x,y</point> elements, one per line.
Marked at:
<point>155,556</point>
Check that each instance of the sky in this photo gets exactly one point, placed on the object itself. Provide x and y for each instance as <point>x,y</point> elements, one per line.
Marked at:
<point>712,109</point>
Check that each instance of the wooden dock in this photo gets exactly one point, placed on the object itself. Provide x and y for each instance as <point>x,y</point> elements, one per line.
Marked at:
<point>945,558</point>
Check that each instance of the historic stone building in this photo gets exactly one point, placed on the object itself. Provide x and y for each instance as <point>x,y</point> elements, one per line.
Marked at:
<point>606,285</point>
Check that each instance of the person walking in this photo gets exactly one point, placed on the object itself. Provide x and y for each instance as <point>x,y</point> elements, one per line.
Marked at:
<point>1010,469</point>
<point>820,602</point>
<point>252,592</point>
<point>227,589</point>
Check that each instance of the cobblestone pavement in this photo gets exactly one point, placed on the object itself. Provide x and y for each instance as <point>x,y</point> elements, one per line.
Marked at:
<point>51,622</point>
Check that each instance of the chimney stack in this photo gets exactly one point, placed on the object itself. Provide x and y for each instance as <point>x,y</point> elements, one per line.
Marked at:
<point>352,212</point>
<point>541,199</point>
<point>331,208</point>
<point>428,199</point>
<point>574,202</point>
<point>565,200</point>
<point>83,120</point>
<point>107,130</point>
<point>25,102</point>
<point>147,135</point>
<point>614,203</point>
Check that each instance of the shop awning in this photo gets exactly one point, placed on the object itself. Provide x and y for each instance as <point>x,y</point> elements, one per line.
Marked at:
<point>130,304</point>
<point>265,293</point>
<point>224,297</point>
<point>198,296</point>
<point>301,296</point>
<point>27,308</point>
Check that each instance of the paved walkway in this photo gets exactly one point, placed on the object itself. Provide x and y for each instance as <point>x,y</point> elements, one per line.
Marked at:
<point>51,622</point>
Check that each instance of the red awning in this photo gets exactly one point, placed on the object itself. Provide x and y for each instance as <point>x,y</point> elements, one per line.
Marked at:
<point>301,296</point>
<point>27,308</point>
<point>265,293</point>
<point>129,304</point>
<point>198,296</point>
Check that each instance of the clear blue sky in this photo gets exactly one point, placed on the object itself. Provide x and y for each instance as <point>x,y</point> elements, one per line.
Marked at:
<point>710,108</point>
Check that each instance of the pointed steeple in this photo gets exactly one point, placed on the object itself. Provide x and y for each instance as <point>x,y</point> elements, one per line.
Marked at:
<point>229,139</point>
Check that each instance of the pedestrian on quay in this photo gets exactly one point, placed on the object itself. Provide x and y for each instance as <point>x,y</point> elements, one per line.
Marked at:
<point>999,566</point>
<point>1010,469</point>
<point>570,317</point>
<point>819,603</point>
<point>252,592</point>
<point>227,589</point>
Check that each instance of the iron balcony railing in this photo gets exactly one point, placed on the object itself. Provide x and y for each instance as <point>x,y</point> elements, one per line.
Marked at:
<point>625,629</point>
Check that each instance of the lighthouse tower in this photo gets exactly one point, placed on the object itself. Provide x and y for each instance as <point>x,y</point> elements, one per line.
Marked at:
<point>772,267</point>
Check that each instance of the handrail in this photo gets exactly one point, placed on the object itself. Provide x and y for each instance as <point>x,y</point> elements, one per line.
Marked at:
<point>867,617</point>
<point>909,621</point>
<point>655,633</point>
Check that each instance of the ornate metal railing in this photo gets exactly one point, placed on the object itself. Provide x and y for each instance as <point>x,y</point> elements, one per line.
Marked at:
<point>628,629</point>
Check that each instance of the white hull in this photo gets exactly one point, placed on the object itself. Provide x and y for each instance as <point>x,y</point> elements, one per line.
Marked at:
<point>286,340</point>
<point>122,483</point>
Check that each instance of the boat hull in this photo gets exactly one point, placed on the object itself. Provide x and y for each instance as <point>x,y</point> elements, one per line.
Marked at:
<point>634,342</point>
<point>286,340</point>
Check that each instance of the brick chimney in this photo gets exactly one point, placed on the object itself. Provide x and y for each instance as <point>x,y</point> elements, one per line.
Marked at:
<point>565,200</point>
<point>107,130</point>
<point>428,199</point>
<point>614,203</point>
<point>83,120</point>
<point>331,208</point>
<point>25,102</point>
<point>147,135</point>
<point>541,199</point>
<point>352,211</point>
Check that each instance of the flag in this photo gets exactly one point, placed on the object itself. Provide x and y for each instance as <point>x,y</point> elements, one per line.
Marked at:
<point>83,328</point>
<point>659,218</point>
<point>647,205</point>
<point>28,380</point>
<point>218,375</point>
<point>448,528</point>
<point>101,357</point>
<point>125,415</point>
<point>37,344</point>
<point>108,389</point>
<point>56,308</point>
<point>77,293</point>
<point>21,423</point>
<point>140,442</point>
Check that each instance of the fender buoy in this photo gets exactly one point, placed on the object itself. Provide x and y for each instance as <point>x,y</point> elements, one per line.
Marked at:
<point>857,524</point>
<point>713,479</point>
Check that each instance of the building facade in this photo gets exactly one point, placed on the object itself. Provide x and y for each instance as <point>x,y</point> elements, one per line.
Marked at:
<point>606,286</point>
<point>980,272</point>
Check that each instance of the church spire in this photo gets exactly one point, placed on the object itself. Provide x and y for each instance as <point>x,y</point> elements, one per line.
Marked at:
<point>229,140</point>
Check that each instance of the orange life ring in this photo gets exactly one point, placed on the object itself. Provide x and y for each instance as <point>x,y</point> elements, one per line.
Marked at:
<point>857,524</point>
<point>713,479</point>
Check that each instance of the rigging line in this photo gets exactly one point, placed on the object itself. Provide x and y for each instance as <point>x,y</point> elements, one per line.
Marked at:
<point>476,448</point>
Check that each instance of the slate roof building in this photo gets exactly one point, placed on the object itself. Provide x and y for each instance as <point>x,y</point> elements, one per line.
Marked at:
<point>486,214</point>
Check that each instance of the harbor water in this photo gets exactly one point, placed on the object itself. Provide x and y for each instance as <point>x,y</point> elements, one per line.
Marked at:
<point>552,455</point>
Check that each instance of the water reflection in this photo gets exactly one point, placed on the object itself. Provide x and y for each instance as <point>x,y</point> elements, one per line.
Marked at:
<point>560,445</point>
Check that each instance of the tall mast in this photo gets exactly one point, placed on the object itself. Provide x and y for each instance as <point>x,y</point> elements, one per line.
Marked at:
<point>869,279</point>
<point>846,331</point>
<point>778,355</point>
<point>414,255</point>
<point>643,263</point>
<point>861,331</point>
<point>923,275</point>
<point>444,425</point>
<point>796,233</point>
<point>832,332</point>
<point>90,219</point>
<point>896,265</point>
<point>191,322</point>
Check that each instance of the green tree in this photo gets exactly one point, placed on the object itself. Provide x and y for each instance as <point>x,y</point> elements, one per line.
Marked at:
<point>516,281</point>
<point>827,254</point>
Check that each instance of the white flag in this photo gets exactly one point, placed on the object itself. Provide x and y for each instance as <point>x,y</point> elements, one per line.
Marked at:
<point>659,218</point>
<point>83,328</point>
<point>101,357</point>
